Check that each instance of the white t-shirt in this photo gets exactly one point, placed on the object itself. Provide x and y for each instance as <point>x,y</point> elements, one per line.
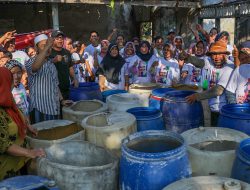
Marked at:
<point>90,59</point>
<point>194,76</point>
<point>217,76</point>
<point>240,83</point>
<point>75,57</point>
<point>142,74</point>
<point>158,53</point>
<point>21,57</point>
<point>90,49</point>
<point>167,71</point>
<point>79,68</point>
<point>121,52</point>
<point>130,61</point>
<point>20,97</point>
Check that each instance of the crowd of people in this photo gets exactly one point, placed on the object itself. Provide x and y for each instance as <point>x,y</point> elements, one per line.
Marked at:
<point>35,82</point>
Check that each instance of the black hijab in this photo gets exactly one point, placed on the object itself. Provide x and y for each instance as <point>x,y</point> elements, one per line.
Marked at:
<point>145,57</point>
<point>111,66</point>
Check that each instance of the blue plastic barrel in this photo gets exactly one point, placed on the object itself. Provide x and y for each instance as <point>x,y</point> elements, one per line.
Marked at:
<point>241,167</point>
<point>178,115</point>
<point>28,182</point>
<point>157,95</point>
<point>147,118</point>
<point>85,91</point>
<point>151,160</point>
<point>107,93</point>
<point>235,116</point>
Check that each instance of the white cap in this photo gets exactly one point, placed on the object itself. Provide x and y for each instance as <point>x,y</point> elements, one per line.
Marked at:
<point>39,38</point>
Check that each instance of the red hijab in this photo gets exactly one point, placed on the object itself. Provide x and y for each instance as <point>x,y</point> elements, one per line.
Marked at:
<point>7,101</point>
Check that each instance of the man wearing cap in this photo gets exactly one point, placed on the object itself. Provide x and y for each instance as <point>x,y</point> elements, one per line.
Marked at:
<point>218,71</point>
<point>63,63</point>
<point>238,88</point>
<point>45,95</point>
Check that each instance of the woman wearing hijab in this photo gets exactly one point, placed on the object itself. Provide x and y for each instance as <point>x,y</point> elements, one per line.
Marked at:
<point>98,56</point>
<point>146,59</point>
<point>110,70</point>
<point>13,155</point>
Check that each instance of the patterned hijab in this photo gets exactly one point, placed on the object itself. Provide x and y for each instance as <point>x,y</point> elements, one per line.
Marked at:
<point>7,101</point>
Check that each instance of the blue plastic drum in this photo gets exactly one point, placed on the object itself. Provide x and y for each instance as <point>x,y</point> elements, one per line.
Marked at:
<point>235,116</point>
<point>153,159</point>
<point>241,167</point>
<point>107,93</point>
<point>178,115</point>
<point>28,182</point>
<point>156,97</point>
<point>85,91</point>
<point>147,118</point>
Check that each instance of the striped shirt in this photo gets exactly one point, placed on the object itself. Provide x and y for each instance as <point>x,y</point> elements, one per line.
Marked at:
<point>44,90</point>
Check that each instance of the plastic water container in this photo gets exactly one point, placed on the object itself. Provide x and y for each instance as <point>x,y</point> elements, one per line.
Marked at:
<point>148,118</point>
<point>235,116</point>
<point>85,91</point>
<point>28,182</point>
<point>107,93</point>
<point>179,115</point>
<point>156,97</point>
<point>241,167</point>
<point>153,159</point>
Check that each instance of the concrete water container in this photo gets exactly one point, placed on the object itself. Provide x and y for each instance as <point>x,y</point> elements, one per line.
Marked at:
<point>143,90</point>
<point>81,109</point>
<point>108,129</point>
<point>123,102</point>
<point>208,183</point>
<point>55,131</point>
<point>212,150</point>
<point>78,165</point>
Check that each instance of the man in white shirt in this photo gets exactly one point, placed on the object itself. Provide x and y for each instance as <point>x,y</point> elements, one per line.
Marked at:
<point>219,71</point>
<point>238,88</point>
<point>88,55</point>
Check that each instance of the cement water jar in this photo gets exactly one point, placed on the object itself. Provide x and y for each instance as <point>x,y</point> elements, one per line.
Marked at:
<point>235,116</point>
<point>107,93</point>
<point>241,167</point>
<point>123,102</point>
<point>153,159</point>
<point>85,91</point>
<point>78,165</point>
<point>156,97</point>
<point>28,182</point>
<point>108,129</point>
<point>55,131</point>
<point>208,183</point>
<point>148,118</point>
<point>212,150</point>
<point>81,109</point>
<point>179,115</point>
<point>143,90</point>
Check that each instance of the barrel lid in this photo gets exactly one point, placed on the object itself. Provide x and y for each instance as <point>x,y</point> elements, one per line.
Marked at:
<point>239,111</point>
<point>144,112</point>
<point>144,86</point>
<point>28,182</point>
<point>161,91</point>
